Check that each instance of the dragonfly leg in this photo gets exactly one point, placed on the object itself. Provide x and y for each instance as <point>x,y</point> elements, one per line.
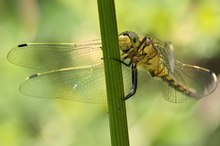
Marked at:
<point>128,64</point>
<point>134,82</point>
<point>125,63</point>
<point>134,77</point>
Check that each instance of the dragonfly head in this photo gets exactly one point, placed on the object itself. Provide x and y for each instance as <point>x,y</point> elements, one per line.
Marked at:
<point>128,41</point>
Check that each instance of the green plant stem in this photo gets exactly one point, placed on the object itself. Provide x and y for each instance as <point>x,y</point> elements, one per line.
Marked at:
<point>113,73</point>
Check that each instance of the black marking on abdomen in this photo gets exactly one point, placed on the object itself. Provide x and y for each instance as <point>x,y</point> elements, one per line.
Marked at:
<point>158,73</point>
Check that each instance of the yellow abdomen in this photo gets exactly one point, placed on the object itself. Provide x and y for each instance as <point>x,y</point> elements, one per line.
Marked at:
<point>163,74</point>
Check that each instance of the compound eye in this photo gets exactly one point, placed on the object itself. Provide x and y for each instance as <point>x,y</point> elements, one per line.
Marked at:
<point>125,43</point>
<point>133,37</point>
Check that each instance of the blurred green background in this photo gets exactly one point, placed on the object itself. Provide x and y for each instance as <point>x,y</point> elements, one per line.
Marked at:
<point>191,25</point>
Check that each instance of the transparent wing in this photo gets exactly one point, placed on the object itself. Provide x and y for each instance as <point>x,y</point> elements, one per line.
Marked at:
<point>167,54</point>
<point>197,79</point>
<point>84,84</point>
<point>169,57</point>
<point>56,55</point>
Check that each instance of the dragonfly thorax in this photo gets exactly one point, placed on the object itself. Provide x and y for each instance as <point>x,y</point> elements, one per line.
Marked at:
<point>139,50</point>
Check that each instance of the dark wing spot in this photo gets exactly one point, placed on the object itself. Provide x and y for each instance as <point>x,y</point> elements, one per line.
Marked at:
<point>22,45</point>
<point>33,76</point>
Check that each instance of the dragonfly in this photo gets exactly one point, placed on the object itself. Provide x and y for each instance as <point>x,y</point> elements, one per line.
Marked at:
<point>75,70</point>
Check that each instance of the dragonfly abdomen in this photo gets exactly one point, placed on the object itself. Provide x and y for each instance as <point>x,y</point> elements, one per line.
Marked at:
<point>162,73</point>
<point>178,86</point>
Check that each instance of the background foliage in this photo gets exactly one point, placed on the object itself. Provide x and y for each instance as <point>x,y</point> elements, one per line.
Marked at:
<point>191,25</point>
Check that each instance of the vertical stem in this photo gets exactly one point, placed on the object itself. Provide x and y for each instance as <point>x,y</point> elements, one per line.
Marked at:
<point>113,73</point>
